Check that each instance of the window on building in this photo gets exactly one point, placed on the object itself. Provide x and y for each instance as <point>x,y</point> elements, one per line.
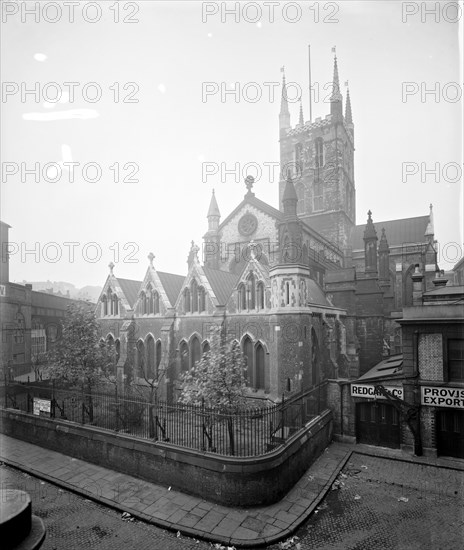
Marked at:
<point>251,287</point>
<point>158,357</point>
<point>300,208</point>
<point>195,350</point>
<point>186,300</point>
<point>248,355</point>
<point>19,329</point>
<point>260,357</point>
<point>150,357</point>
<point>206,347</point>
<point>456,359</point>
<point>105,305</point>
<point>318,195</point>
<point>143,303</point>
<point>260,292</point>
<point>194,291</point>
<point>156,303</point>
<point>242,297</point>
<point>115,305</point>
<point>298,159</point>
<point>150,300</point>
<point>184,357</point>
<point>319,153</point>
<point>201,299</point>
<point>140,358</point>
<point>110,301</point>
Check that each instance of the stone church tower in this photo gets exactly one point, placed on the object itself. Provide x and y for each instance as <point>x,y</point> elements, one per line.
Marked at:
<point>320,155</point>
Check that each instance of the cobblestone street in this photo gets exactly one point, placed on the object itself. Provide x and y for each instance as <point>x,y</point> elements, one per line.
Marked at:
<point>375,503</point>
<point>75,523</point>
<point>385,504</point>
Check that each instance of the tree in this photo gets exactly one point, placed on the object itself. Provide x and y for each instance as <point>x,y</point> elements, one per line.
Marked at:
<point>79,358</point>
<point>218,381</point>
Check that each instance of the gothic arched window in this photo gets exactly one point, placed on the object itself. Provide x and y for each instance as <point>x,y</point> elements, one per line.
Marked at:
<point>318,195</point>
<point>156,303</point>
<point>158,357</point>
<point>184,357</point>
<point>115,305</point>
<point>150,357</point>
<point>143,303</point>
<point>201,299</point>
<point>260,292</point>
<point>195,351</point>
<point>260,358</point>
<point>140,358</point>
<point>105,305</point>
<point>110,301</point>
<point>194,291</point>
<point>242,297</point>
<point>251,287</point>
<point>186,300</point>
<point>318,153</point>
<point>248,355</point>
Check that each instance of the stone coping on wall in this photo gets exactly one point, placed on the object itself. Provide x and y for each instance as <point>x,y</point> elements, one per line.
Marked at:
<point>244,481</point>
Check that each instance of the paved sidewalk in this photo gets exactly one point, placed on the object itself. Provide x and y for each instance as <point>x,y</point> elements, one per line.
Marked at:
<point>171,509</point>
<point>191,515</point>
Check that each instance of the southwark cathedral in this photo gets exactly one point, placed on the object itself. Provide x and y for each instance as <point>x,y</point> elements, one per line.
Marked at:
<point>306,293</point>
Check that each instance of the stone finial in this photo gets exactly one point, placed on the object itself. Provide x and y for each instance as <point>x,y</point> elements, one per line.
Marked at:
<point>111,266</point>
<point>151,257</point>
<point>249,181</point>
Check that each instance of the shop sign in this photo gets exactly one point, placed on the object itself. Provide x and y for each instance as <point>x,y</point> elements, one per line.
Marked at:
<point>442,397</point>
<point>369,391</point>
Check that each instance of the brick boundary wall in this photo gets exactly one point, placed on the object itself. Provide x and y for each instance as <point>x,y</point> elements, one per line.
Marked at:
<point>226,480</point>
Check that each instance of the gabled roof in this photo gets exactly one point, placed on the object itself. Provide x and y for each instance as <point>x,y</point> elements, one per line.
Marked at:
<point>398,232</point>
<point>257,203</point>
<point>130,288</point>
<point>172,284</point>
<point>222,283</point>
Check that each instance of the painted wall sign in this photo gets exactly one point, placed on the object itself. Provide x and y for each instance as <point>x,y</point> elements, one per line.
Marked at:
<point>369,391</point>
<point>442,397</point>
<point>42,407</point>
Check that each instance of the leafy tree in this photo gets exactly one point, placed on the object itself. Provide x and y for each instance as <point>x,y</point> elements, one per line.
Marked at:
<point>79,358</point>
<point>218,381</point>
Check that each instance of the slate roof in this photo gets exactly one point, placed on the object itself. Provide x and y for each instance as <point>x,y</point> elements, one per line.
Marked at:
<point>398,232</point>
<point>316,295</point>
<point>222,283</point>
<point>393,365</point>
<point>172,284</point>
<point>130,288</point>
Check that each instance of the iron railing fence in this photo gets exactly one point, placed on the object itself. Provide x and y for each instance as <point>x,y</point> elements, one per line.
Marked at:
<point>253,431</point>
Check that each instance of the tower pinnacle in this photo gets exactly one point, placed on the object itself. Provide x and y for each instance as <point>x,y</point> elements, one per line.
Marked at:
<point>284,115</point>
<point>336,100</point>
<point>348,113</point>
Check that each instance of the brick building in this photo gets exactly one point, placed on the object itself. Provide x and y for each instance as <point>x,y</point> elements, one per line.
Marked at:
<point>307,294</point>
<point>31,321</point>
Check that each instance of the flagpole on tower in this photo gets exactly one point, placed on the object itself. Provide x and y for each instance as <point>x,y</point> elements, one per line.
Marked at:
<point>310,86</point>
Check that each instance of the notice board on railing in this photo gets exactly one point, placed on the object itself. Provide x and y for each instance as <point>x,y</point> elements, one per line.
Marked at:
<point>42,407</point>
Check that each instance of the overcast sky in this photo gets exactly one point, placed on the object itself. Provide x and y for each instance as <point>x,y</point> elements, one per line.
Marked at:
<point>384,49</point>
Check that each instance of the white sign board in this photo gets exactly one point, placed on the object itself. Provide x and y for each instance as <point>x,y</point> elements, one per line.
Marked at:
<point>442,397</point>
<point>369,391</point>
<point>42,407</point>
